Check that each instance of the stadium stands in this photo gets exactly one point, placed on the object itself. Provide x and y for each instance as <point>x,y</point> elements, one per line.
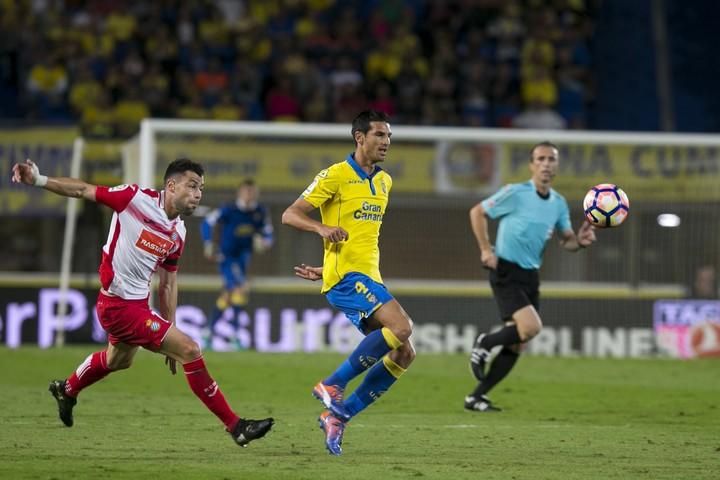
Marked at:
<point>106,64</point>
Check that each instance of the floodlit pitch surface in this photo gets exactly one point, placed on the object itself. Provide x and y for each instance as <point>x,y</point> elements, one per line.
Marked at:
<point>563,419</point>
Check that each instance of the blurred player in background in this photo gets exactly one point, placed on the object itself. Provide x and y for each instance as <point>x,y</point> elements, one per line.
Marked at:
<point>529,213</point>
<point>146,232</point>
<point>245,228</point>
<point>352,196</point>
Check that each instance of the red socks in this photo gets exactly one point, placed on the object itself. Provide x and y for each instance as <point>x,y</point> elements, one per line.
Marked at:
<point>207,390</point>
<point>93,369</point>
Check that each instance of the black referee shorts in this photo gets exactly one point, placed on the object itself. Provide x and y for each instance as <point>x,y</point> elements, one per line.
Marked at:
<point>514,287</point>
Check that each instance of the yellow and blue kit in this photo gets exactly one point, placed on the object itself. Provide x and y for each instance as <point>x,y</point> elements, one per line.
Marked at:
<point>351,199</point>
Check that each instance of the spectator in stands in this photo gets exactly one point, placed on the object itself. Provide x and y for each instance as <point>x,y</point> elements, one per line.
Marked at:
<point>281,103</point>
<point>383,99</point>
<point>538,86</point>
<point>474,107</point>
<point>409,85</point>
<point>156,90</point>
<point>504,94</point>
<point>133,66</point>
<point>211,81</point>
<point>571,99</point>
<point>245,86</point>
<point>85,89</point>
<point>161,48</point>
<point>508,24</point>
<point>192,108</point>
<point>97,119</point>
<point>539,115</point>
<point>47,83</point>
<point>227,109</point>
<point>350,98</point>
<point>383,62</point>
<point>121,24</point>
<point>129,112</point>
<point>704,285</point>
<point>345,72</point>
<point>317,108</point>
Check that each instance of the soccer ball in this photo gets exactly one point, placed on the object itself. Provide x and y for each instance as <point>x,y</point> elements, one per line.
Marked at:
<point>606,205</point>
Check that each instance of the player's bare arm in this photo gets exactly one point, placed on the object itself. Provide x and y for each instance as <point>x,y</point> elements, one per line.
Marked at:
<point>584,238</point>
<point>167,296</point>
<point>308,273</point>
<point>209,247</point>
<point>479,224</point>
<point>296,215</point>
<point>29,174</point>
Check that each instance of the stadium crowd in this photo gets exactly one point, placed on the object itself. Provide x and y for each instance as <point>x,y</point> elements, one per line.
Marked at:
<point>106,64</point>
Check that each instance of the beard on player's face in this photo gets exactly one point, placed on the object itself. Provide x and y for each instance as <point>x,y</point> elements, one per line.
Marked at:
<point>187,206</point>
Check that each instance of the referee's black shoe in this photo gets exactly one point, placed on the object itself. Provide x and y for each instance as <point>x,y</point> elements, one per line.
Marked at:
<point>480,404</point>
<point>478,359</point>
<point>248,430</point>
<point>64,401</point>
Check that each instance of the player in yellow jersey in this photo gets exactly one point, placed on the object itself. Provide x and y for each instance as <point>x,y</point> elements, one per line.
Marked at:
<point>352,196</point>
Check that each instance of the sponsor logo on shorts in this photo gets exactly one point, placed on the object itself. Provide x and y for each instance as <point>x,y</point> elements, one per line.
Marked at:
<point>153,325</point>
<point>154,244</point>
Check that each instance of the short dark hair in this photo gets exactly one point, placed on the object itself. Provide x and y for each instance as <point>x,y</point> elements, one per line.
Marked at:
<point>247,182</point>
<point>542,144</point>
<point>361,123</point>
<point>182,165</point>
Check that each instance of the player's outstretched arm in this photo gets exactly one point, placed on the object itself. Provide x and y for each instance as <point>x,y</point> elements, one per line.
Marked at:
<point>29,174</point>
<point>296,215</point>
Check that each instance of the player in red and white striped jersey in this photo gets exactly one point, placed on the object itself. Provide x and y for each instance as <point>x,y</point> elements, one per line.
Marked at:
<point>146,232</point>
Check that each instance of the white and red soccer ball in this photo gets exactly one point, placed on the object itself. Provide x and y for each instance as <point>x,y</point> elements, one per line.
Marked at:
<point>606,205</point>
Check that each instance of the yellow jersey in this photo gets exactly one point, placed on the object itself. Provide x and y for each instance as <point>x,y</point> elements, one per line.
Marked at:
<point>351,199</point>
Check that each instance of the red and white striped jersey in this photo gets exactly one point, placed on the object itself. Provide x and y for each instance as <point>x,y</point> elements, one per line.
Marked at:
<point>141,238</point>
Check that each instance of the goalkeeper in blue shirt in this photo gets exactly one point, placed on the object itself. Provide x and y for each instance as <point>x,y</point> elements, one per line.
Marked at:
<point>245,227</point>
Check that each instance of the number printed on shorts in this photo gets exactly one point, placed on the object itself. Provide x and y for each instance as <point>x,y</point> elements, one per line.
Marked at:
<point>363,290</point>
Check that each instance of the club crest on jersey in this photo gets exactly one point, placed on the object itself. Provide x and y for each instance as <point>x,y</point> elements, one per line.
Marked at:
<point>153,325</point>
<point>154,244</point>
<point>383,187</point>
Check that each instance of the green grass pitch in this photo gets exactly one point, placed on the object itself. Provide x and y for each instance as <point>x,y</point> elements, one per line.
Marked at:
<point>564,418</point>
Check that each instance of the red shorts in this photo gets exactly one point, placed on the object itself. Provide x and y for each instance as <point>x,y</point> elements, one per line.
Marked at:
<point>131,322</point>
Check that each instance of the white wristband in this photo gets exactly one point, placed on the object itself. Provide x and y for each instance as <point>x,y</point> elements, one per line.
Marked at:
<point>40,180</point>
